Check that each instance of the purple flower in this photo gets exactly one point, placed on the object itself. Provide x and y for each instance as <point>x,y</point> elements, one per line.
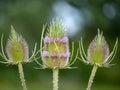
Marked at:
<point>57,39</point>
<point>55,52</point>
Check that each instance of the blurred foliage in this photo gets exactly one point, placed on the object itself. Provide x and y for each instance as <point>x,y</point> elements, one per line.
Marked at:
<point>28,17</point>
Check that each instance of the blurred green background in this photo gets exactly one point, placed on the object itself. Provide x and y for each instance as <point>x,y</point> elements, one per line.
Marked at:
<point>81,18</point>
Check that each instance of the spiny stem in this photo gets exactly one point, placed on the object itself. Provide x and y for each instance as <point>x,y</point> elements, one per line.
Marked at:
<point>55,78</point>
<point>20,68</point>
<point>92,77</point>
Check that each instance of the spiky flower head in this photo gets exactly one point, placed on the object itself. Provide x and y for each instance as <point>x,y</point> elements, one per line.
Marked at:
<point>55,52</point>
<point>98,51</point>
<point>16,49</point>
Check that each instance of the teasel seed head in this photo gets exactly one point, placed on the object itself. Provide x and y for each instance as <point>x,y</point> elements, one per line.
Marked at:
<point>55,52</point>
<point>98,52</point>
<point>16,48</point>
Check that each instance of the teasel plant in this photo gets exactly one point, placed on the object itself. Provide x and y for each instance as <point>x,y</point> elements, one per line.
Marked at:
<point>17,53</point>
<point>98,55</point>
<point>55,51</point>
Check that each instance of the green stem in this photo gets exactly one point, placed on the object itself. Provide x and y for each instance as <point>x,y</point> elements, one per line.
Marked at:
<point>20,68</point>
<point>92,77</point>
<point>55,79</point>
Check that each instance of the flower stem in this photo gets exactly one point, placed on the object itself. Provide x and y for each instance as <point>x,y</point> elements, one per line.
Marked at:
<point>92,77</point>
<point>20,68</point>
<point>55,78</point>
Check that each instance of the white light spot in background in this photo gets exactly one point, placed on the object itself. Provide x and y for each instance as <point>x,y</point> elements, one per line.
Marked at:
<point>109,10</point>
<point>72,19</point>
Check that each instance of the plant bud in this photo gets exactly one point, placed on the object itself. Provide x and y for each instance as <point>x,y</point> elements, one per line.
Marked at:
<point>16,48</point>
<point>56,46</point>
<point>98,50</point>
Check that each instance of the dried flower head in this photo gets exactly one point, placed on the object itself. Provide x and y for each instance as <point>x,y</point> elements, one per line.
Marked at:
<point>55,52</point>
<point>16,49</point>
<point>98,51</point>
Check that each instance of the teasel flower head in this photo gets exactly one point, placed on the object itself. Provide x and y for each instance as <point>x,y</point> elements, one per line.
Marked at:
<point>98,52</point>
<point>55,52</point>
<point>17,49</point>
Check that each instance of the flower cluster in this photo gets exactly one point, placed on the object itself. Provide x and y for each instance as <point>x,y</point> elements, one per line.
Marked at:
<point>56,52</point>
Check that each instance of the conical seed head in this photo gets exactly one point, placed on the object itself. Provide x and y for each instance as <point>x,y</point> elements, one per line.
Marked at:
<point>16,48</point>
<point>56,48</point>
<point>98,50</point>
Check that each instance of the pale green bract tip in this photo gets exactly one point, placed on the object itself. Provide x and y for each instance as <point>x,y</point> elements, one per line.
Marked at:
<point>99,37</point>
<point>56,29</point>
<point>14,37</point>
